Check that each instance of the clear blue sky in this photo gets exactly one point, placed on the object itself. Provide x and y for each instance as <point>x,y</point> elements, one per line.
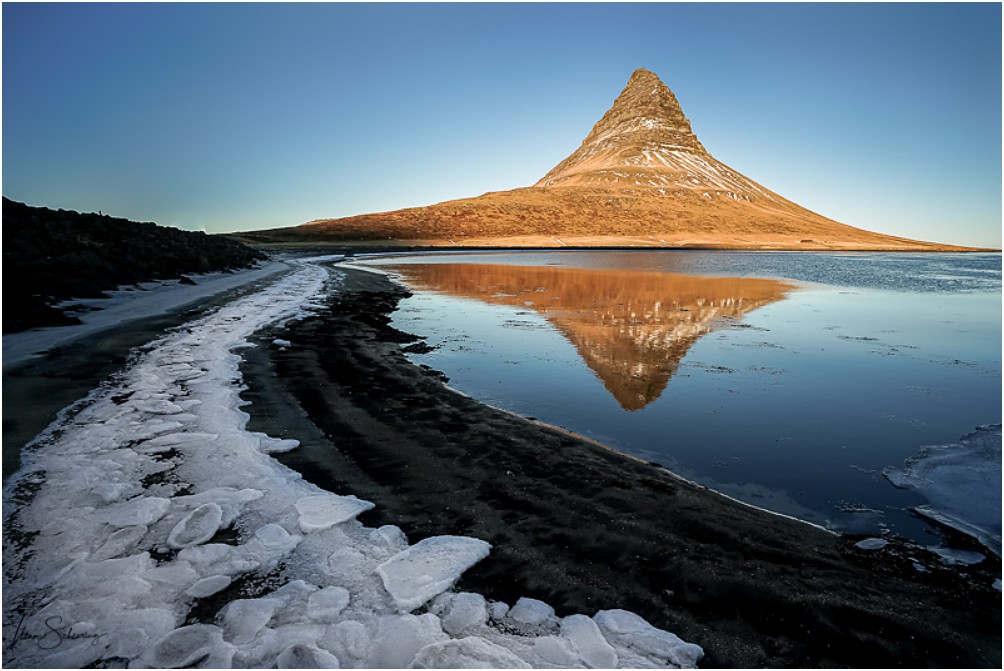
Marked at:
<point>227,117</point>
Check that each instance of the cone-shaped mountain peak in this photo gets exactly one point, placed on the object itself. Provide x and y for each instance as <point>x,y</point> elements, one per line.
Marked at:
<point>645,118</point>
<point>646,111</point>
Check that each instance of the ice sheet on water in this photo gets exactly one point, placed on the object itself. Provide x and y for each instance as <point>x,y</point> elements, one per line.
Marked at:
<point>325,605</point>
<point>429,567</point>
<point>350,641</point>
<point>399,638</point>
<point>632,633</point>
<point>467,653</point>
<point>274,536</point>
<point>277,445</point>
<point>121,562</point>
<point>961,482</point>
<point>208,586</point>
<point>952,556</point>
<point>305,656</point>
<point>497,610</point>
<point>197,527</point>
<point>532,616</point>
<point>555,650</point>
<point>120,542</point>
<point>200,644</point>
<point>391,536</point>
<point>588,642</point>
<point>460,612</point>
<point>246,618</point>
<point>142,510</point>
<point>326,510</point>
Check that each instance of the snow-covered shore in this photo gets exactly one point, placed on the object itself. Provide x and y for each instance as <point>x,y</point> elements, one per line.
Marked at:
<point>149,504</point>
<point>129,303</point>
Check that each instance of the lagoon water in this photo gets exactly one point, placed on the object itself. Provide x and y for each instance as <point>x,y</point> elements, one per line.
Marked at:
<point>787,380</point>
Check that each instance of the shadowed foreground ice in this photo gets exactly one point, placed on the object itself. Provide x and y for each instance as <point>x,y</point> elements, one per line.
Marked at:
<point>962,484</point>
<point>148,506</point>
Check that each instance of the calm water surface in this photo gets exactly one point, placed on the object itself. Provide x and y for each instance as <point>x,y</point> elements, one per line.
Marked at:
<point>787,380</point>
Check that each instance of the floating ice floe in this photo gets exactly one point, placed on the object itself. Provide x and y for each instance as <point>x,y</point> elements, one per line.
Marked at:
<point>428,568</point>
<point>871,544</point>
<point>953,556</point>
<point>149,528</point>
<point>961,482</point>
<point>326,510</point>
<point>272,445</point>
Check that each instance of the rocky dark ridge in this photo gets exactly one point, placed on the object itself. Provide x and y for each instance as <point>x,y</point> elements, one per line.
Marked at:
<point>54,255</point>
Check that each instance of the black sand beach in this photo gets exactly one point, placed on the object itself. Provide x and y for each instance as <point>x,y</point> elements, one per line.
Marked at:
<point>584,528</point>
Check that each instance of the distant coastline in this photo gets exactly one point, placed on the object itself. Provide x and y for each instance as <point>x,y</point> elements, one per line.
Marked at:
<point>290,240</point>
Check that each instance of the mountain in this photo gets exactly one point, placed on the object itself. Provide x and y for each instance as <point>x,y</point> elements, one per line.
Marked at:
<point>632,328</point>
<point>640,178</point>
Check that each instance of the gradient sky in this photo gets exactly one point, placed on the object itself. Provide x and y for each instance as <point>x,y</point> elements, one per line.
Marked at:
<point>226,117</point>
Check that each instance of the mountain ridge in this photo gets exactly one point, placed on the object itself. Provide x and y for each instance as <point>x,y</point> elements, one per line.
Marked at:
<point>641,177</point>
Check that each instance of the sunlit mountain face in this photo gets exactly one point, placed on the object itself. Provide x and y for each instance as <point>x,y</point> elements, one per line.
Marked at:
<point>640,178</point>
<point>632,328</point>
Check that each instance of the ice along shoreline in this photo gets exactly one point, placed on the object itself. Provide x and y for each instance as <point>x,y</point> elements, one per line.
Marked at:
<point>151,499</point>
<point>48,369</point>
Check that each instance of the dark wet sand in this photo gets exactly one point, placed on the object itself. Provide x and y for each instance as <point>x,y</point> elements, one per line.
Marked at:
<point>584,528</point>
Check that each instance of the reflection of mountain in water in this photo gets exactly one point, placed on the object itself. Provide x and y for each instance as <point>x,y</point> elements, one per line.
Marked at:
<point>632,328</point>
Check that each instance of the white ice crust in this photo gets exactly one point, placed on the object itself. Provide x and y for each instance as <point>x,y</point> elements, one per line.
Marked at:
<point>127,303</point>
<point>872,544</point>
<point>961,482</point>
<point>428,568</point>
<point>149,528</point>
<point>318,513</point>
